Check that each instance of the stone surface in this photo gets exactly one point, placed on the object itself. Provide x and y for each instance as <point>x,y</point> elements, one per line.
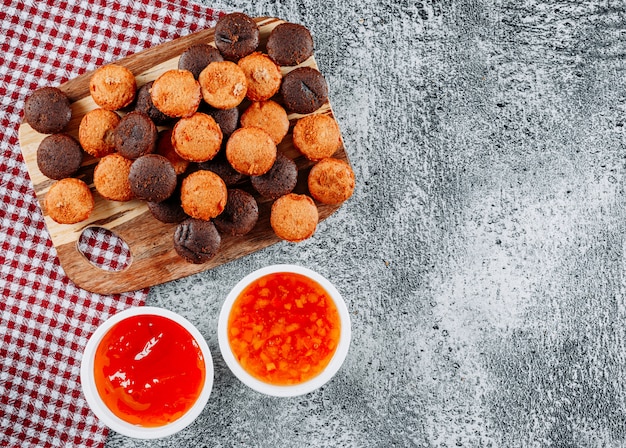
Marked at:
<point>482,254</point>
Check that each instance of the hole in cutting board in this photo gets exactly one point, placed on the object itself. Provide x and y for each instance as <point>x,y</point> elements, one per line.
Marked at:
<point>104,249</point>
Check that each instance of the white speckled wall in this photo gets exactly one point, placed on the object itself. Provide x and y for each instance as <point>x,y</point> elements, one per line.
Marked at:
<point>482,255</point>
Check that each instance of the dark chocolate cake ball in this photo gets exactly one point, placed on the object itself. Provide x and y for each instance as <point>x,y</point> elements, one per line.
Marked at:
<point>290,44</point>
<point>240,214</point>
<point>197,57</point>
<point>144,104</point>
<point>59,156</point>
<point>152,178</point>
<point>227,119</point>
<point>220,166</point>
<point>47,110</point>
<point>169,210</point>
<point>135,135</point>
<point>304,90</point>
<point>196,240</point>
<point>236,35</point>
<point>279,180</point>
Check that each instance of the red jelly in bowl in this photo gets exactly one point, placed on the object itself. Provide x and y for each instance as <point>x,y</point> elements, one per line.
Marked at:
<point>147,372</point>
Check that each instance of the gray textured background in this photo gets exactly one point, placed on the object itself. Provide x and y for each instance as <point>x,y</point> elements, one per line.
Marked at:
<point>482,255</point>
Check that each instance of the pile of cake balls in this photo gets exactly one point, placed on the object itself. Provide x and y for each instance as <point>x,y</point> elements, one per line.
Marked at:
<point>184,142</point>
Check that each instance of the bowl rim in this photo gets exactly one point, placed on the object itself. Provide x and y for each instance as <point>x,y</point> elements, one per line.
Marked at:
<point>290,390</point>
<point>100,409</point>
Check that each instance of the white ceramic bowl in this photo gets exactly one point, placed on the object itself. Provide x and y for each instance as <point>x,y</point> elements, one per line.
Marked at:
<point>290,390</point>
<point>104,413</point>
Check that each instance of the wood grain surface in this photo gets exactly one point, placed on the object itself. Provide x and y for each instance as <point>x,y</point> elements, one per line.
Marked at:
<point>153,258</point>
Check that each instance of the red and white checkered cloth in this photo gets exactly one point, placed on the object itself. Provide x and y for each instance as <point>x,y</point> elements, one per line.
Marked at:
<point>45,320</point>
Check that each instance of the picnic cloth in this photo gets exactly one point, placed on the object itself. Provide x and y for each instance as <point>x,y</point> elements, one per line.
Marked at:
<point>46,320</point>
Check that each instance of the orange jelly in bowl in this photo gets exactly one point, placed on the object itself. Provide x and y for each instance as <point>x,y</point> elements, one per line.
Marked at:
<point>149,370</point>
<point>284,328</point>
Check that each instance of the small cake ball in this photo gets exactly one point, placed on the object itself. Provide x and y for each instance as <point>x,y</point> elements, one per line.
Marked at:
<point>47,110</point>
<point>96,132</point>
<point>251,151</point>
<point>203,195</point>
<point>223,84</point>
<point>113,87</point>
<point>110,177</point>
<point>294,217</point>
<point>69,201</point>
<point>331,181</point>
<point>176,93</point>
<point>317,136</point>
<point>196,241</point>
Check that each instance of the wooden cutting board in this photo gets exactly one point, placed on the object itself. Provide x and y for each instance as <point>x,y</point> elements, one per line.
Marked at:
<point>153,258</point>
